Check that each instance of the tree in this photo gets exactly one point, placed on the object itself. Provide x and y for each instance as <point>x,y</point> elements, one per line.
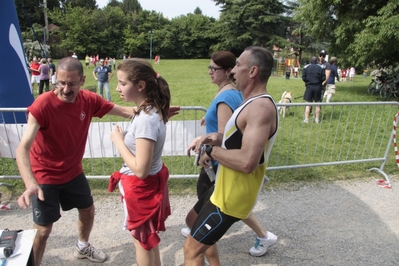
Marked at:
<point>90,4</point>
<point>137,37</point>
<point>359,32</point>
<point>115,3</point>
<point>197,11</point>
<point>77,30</point>
<point>131,6</point>
<point>192,36</point>
<point>30,12</point>
<point>251,22</point>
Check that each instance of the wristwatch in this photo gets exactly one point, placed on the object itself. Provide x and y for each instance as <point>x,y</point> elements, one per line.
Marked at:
<point>208,150</point>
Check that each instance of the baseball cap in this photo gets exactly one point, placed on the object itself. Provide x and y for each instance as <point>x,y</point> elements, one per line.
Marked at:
<point>322,52</point>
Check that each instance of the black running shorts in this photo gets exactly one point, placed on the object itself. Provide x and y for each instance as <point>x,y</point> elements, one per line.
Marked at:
<point>74,194</point>
<point>211,224</point>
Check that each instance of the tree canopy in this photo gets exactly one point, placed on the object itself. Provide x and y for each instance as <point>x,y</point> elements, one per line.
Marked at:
<point>359,33</point>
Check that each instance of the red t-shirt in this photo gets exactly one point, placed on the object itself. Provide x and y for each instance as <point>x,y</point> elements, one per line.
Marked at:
<point>34,65</point>
<point>57,151</point>
<point>343,73</point>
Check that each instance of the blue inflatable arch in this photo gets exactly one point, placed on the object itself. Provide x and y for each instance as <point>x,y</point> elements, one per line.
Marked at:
<point>15,88</point>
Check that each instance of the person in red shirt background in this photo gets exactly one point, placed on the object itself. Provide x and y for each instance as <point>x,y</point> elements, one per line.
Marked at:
<point>34,68</point>
<point>343,74</point>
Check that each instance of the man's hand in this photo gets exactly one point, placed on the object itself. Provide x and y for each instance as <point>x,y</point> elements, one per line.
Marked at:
<point>204,160</point>
<point>192,146</point>
<point>214,139</point>
<point>173,110</point>
<point>24,199</point>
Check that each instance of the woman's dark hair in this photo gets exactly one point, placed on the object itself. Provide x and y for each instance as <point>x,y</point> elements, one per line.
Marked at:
<point>225,60</point>
<point>156,90</point>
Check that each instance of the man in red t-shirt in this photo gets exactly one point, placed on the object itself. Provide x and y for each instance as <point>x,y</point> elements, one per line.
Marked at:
<point>50,153</point>
<point>34,67</point>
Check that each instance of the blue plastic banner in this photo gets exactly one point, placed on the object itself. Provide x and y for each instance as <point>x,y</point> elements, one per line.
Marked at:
<point>15,88</point>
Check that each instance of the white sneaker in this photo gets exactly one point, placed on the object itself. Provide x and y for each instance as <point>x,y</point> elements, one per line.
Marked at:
<point>185,231</point>
<point>317,120</point>
<point>305,121</point>
<point>90,253</point>
<point>261,245</point>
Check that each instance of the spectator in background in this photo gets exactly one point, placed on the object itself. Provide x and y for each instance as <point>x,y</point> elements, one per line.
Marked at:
<point>74,56</point>
<point>347,72</point>
<point>114,62</point>
<point>110,62</point>
<point>352,73</point>
<point>296,69</point>
<point>313,75</point>
<point>52,73</point>
<point>330,89</point>
<point>327,68</point>
<point>344,74</point>
<point>339,71</point>
<point>44,70</point>
<point>103,75</point>
<point>35,78</point>
<point>87,61</point>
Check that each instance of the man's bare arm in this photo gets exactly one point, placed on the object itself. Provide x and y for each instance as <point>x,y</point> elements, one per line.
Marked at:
<point>256,129</point>
<point>24,164</point>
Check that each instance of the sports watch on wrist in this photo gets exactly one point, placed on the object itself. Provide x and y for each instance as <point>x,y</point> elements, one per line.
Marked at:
<point>208,150</point>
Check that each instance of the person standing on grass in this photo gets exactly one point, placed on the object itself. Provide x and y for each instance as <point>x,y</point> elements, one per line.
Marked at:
<point>49,157</point>
<point>313,75</point>
<point>103,75</point>
<point>242,152</point>
<point>87,61</point>
<point>226,100</point>
<point>143,178</point>
<point>327,69</point>
<point>330,89</point>
<point>52,72</point>
<point>44,70</point>
<point>352,73</point>
<point>34,68</point>
<point>344,74</point>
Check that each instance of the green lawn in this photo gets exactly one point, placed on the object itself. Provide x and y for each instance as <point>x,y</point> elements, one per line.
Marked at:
<point>190,85</point>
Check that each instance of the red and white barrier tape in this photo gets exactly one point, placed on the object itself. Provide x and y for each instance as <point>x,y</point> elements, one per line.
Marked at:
<point>384,183</point>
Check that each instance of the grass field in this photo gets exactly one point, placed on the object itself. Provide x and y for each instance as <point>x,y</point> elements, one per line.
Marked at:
<point>190,85</point>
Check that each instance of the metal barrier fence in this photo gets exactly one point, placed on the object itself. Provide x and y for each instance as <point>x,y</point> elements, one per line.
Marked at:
<point>349,133</point>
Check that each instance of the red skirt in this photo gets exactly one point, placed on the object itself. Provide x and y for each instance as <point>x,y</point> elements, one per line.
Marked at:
<point>147,204</point>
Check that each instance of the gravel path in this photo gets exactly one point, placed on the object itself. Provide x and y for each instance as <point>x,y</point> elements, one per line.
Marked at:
<point>343,223</point>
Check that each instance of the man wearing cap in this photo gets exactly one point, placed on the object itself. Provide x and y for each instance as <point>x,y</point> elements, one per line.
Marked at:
<point>313,75</point>
<point>327,68</point>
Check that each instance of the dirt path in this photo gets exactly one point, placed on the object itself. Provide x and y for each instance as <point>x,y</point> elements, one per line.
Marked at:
<point>344,223</point>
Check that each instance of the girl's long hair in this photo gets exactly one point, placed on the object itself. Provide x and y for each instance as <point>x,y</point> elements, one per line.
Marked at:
<point>157,89</point>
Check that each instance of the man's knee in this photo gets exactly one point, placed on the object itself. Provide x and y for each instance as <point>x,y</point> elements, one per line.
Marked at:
<point>192,248</point>
<point>87,212</point>
<point>43,232</point>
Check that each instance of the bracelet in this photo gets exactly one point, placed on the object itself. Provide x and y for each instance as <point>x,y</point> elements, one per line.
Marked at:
<point>208,150</point>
